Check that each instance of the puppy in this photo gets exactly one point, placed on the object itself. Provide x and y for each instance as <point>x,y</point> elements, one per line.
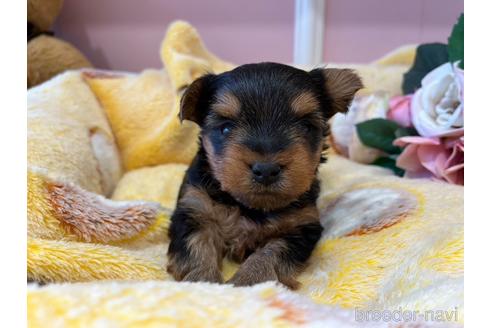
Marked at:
<point>250,192</point>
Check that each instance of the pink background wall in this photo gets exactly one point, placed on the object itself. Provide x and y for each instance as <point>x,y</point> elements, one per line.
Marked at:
<point>126,34</point>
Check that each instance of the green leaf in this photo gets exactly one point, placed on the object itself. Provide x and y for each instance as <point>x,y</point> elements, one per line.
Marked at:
<point>428,57</point>
<point>456,42</point>
<point>403,132</point>
<point>389,163</point>
<point>378,133</point>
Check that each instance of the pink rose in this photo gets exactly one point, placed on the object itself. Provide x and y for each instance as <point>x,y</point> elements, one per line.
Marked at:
<point>400,110</point>
<point>435,158</point>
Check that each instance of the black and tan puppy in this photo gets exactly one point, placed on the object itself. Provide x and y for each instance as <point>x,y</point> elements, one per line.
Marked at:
<point>250,193</point>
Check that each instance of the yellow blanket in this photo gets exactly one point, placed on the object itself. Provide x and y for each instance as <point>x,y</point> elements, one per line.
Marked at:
<point>106,155</point>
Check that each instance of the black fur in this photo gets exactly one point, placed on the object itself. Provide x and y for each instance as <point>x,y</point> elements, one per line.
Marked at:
<point>265,91</point>
<point>199,175</point>
<point>300,244</point>
<point>268,125</point>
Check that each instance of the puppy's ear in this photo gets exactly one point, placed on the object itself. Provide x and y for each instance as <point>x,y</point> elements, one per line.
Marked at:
<point>194,102</point>
<point>340,86</point>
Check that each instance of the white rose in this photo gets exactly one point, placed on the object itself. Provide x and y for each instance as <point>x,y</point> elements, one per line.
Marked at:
<point>343,131</point>
<point>437,107</point>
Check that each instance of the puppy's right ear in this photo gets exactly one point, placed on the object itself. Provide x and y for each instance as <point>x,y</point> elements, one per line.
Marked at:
<point>194,102</point>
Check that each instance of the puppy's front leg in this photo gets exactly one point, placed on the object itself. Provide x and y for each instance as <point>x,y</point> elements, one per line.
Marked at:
<point>193,253</point>
<point>280,259</point>
<point>195,250</point>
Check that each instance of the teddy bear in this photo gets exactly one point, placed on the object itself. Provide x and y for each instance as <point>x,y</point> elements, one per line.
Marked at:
<point>47,55</point>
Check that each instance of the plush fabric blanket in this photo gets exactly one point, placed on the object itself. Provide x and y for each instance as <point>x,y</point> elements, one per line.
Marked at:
<point>106,155</point>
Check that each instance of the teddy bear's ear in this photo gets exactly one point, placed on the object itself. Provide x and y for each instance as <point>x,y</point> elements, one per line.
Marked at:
<point>340,86</point>
<point>193,105</point>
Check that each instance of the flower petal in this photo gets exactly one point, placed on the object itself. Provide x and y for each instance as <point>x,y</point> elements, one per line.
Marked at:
<point>452,133</point>
<point>342,131</point>
<point>420,174</point>
<point>437,108</point>
<point>400,110</point>
<point>436,73</point>
<point>455,168</point>
<point>455,174</point>
<point>360,153</point>
<point>433,158</point>
<point>401,142</point>
<point>408,159</point>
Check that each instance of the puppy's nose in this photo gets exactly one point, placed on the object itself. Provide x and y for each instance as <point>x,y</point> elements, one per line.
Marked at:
<point>266,173</point>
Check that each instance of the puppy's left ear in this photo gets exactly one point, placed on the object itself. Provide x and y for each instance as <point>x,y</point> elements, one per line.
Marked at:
<point>194,102</point>
<point>340,86</point>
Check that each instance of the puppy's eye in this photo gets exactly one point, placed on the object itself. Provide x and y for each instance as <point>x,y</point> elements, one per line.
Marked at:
<point>226,129</point>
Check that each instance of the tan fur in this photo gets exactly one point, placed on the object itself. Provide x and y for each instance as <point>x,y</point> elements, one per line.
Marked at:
<point>205,258</point>
<point>305,103</point>
<point>227,105</point>
<point>95,219</point>
<point>266,264</point>
<point>260,266</point>
<point>233,172</point>
<point>341,85</point>
<point>206,246</point>
<point>219,223</point>
<point>223,231</point>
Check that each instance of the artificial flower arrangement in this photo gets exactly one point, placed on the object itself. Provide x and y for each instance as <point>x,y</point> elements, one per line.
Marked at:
<point>419,134</point>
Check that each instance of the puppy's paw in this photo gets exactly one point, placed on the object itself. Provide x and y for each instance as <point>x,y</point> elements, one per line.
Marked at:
<point>177,269</point>
<point>248,276</point>
<point>290,282</point>
<point>204,274</point>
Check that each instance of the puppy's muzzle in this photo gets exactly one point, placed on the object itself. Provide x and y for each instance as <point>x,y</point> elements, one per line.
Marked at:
<point>266,173</point>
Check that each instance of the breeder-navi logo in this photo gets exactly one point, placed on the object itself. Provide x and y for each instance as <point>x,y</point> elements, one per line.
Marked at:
<point>401,315</point>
